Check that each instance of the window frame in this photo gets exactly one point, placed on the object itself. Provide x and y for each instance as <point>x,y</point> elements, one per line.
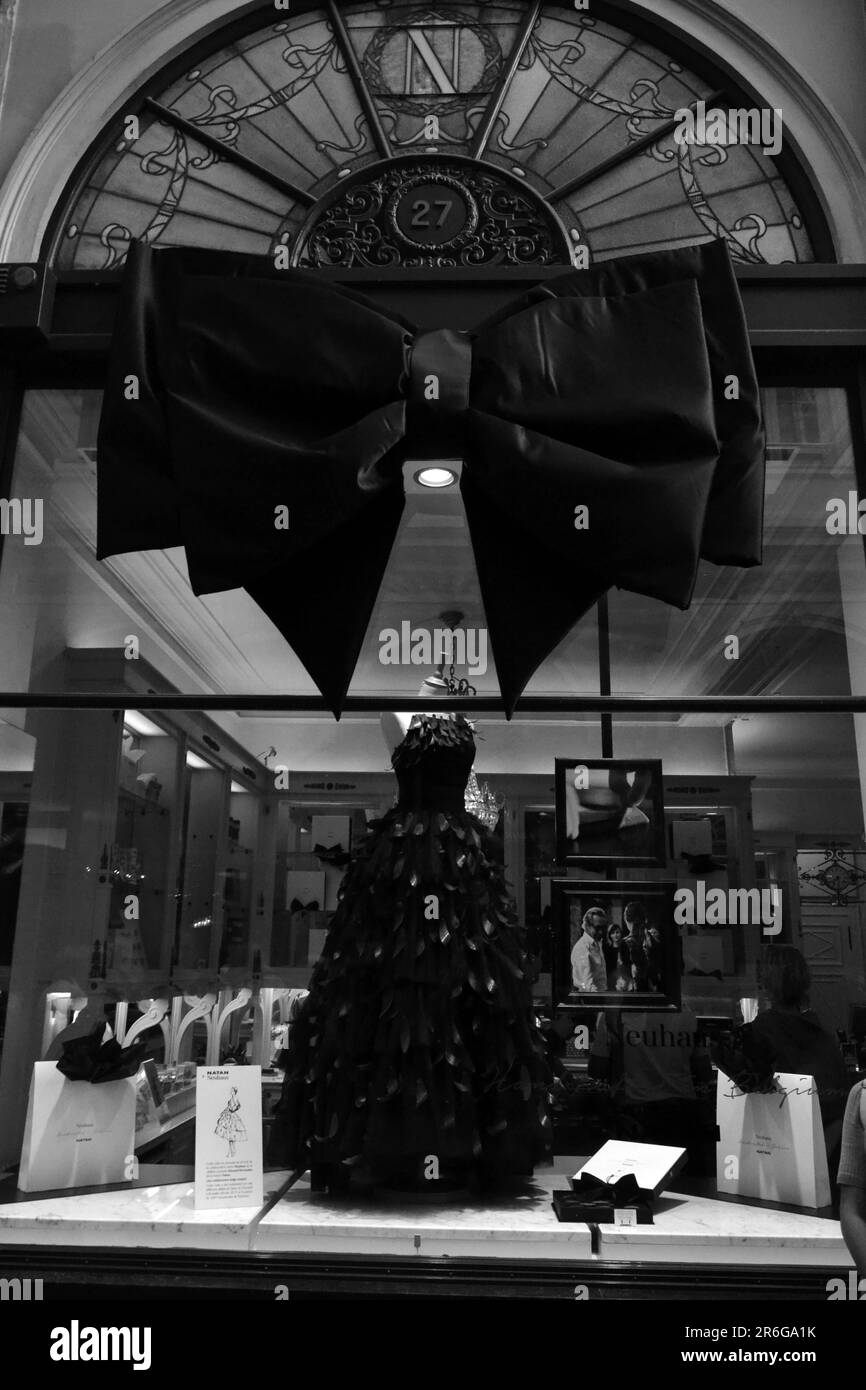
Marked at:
<point>623,14</point>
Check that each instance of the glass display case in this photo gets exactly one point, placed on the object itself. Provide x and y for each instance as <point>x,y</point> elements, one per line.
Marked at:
<point>173,856</point>
<point>142,849</point>
<point>315,836</point>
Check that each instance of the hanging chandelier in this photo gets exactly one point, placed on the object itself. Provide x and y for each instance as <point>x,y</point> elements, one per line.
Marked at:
<point>481,801</point>
<point>452,617</point>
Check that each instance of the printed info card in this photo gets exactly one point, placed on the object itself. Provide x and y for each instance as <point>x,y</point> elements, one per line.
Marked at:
<point>228,1137</point>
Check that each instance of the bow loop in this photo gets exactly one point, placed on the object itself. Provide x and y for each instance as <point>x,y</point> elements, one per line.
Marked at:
<point>615,438</point>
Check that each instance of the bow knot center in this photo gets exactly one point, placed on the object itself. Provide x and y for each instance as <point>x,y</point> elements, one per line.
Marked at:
<point>440,365</point>
<point>439,369</point>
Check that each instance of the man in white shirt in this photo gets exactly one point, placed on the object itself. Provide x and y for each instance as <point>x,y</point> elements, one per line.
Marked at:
<point>588,968</point>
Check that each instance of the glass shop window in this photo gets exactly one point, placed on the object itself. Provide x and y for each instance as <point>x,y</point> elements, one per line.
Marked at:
<point>54,593</point>
<point>161,876</point>
<point>791,626</point>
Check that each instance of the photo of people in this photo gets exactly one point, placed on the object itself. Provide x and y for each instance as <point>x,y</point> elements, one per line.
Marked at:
<point>609,809</point>
<point>616,940</point>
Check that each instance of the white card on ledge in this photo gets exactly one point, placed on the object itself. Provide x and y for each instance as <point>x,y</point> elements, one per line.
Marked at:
<point>76,1134</point>
<point>228,1137</point>
<point>650,1164</point>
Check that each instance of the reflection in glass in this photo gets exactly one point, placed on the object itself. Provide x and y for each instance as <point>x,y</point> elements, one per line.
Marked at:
<point>797,618</point>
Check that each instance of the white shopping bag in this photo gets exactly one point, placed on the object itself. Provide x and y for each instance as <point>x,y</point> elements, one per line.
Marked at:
<point>772,1146</point>
<point>76,1134</point>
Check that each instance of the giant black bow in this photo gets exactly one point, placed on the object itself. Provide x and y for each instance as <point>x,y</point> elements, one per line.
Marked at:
<point>628,389</point>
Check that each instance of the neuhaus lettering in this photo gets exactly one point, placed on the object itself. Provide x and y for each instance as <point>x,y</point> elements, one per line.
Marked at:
<point>76,1343</point>
<point>660,1037</point>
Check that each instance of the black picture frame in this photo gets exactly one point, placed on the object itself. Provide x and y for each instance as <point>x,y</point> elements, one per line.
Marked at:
<point>654,969</point>
<point>602,843</point>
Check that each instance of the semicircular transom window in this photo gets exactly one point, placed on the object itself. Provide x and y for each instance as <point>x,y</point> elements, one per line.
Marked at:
<point>435,135</point>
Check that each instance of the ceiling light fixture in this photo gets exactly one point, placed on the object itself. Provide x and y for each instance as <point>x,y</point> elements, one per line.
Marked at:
<point>199,764</point>
<point>141,725</point>
<point>436,477</point>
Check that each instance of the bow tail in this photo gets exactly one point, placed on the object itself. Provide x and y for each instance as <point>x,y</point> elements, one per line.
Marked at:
<point>554,526</point>
<point>532,595</point>
<point>322,600</point>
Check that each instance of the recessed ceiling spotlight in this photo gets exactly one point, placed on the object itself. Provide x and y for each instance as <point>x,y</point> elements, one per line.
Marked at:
<point>436,477</point>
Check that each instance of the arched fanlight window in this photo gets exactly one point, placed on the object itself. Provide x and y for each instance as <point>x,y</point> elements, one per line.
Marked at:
<point>444,135</point>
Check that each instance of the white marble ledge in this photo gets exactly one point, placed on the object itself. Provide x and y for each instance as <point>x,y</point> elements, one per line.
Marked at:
<point>159,1217</point>
<point>519,1225</point>
<point>703,1230</point>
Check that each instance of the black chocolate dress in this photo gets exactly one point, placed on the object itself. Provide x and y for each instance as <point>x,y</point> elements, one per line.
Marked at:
<point>418,1038</point>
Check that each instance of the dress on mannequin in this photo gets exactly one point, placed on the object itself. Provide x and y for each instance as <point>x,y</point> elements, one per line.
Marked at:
<point>418,1040</point>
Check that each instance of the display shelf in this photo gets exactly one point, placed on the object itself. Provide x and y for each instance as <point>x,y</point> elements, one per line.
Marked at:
<point>706,1230</point>
<point>519,1224</point>
<point>142,1213</point>
<point>500,1247</point>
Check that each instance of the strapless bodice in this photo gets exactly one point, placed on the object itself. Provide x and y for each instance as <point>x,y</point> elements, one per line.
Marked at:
<point>433,762</point>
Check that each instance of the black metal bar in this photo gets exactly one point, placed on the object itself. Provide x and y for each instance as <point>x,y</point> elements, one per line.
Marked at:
<point>622,156</point>
<point>365,96</point>
<point>565,705</point>
<point>807,322</point>
<point>243,161</point>
<point>603,618</point>
<point>856,397</point>
<point>494,106</point>
<point>804,273</point>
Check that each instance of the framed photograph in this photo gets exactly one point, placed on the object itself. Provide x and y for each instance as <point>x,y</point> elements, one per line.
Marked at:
<point>610,812</point>
<point>616,945</point>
